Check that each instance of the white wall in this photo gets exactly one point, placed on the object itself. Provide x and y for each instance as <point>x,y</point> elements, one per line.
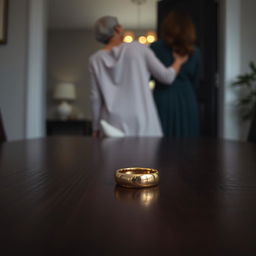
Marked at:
<point>248,46</point>
<point>13,64</point>
<point>36,90</point>
<point>248,33</point>
<point>21,70</point>
<point>231,67</point>
<point>67,61</point>
<point>81,14</point>
<point>238,38</point>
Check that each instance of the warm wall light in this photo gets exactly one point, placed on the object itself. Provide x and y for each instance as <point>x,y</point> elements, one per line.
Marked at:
<point>142,40</point>
<point>128,37</point>
<point>151,37</point>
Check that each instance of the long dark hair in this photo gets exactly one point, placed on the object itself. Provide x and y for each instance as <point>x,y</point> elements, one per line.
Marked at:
<point>178,31</point>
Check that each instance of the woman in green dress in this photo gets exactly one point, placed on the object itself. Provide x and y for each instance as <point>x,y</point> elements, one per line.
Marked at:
<point>176,104</point>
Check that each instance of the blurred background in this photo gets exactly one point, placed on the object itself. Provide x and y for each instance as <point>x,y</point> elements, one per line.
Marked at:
<point>45,51</point>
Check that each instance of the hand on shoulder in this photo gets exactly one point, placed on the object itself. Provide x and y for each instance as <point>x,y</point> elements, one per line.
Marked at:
<point>179,58</point>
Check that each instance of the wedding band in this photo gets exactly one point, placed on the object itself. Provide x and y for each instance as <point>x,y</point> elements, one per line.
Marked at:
<point>137,177</point>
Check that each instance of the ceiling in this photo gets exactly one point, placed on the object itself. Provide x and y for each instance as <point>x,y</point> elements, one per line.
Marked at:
<point>77,14</point>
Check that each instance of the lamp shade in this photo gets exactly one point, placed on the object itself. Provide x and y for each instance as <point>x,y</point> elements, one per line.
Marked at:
<point>64,91</point>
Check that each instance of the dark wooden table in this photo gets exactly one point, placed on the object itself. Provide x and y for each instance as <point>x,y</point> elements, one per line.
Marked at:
<point>58,197</point>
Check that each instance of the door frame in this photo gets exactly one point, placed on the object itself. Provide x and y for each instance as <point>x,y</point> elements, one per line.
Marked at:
<point>36,69</point>
<point>229,68</point>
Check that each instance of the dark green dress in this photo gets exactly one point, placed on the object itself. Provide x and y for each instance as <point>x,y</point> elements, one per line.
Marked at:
<point>176,103</point>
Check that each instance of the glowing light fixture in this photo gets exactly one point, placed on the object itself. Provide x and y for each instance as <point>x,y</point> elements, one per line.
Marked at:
<point>148,38</point>
<point>128,37</point>
<point>142,40</point>
<point>151,37</point>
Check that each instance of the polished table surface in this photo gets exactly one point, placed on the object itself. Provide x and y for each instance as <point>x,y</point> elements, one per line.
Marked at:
<point>58,197</point>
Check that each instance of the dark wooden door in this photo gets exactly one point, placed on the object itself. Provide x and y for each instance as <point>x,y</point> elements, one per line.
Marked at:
<point>205,16</point>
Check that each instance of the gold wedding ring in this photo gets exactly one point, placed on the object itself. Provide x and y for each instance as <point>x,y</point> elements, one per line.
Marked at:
<point>137,177</point>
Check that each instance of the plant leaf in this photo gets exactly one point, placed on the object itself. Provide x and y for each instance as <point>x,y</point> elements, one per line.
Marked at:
<point>252,66</point>
<point>244,101</point>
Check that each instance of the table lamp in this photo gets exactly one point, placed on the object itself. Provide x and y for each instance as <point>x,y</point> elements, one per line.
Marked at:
<point>64,92</point>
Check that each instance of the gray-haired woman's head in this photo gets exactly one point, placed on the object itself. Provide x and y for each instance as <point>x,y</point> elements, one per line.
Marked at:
<point>104,28</point>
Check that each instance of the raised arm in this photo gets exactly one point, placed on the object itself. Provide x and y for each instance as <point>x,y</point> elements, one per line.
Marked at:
<point>159,71</point>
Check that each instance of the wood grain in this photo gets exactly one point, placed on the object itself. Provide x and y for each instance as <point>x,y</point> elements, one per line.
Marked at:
<point>58,197</point>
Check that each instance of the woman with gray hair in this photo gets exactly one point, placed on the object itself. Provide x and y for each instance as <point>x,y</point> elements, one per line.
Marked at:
<point>120,74</point>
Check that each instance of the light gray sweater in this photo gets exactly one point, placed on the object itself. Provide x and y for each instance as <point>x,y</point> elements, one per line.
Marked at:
<point>120,92</point>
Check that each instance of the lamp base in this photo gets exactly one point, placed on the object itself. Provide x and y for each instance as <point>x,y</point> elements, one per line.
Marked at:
<point>64,110</point>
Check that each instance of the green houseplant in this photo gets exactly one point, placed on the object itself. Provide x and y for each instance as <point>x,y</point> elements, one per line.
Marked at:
<point>247,102</point>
